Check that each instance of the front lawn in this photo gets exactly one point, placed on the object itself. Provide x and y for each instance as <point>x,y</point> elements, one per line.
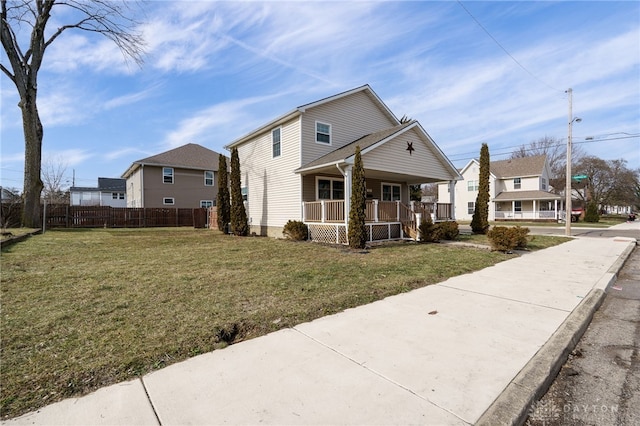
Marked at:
<point>82,309</point>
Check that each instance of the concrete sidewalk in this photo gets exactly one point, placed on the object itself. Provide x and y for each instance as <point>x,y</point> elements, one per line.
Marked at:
<point>473,349</point>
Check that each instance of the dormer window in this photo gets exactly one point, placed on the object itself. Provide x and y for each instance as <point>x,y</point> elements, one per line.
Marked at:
<point>323,133</point>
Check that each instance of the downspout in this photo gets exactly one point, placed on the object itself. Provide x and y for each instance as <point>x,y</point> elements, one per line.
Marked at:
<point>142,186</point>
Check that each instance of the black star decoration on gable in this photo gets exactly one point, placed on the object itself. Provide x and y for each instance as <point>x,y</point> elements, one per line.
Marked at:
<point>410,147</point>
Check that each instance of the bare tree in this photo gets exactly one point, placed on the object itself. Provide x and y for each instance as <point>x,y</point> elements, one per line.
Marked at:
<point>610,182</point>
<point>105,17</point>
<point>9,209</point>
<point>53,171</point>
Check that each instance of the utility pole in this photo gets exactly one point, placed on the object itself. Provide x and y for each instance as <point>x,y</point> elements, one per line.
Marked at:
<point>567,190</point>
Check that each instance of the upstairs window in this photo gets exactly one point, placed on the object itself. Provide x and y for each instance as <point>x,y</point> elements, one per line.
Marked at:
<point>275,142</point>
<point>517,183</point>
<point>167,175</point>
<point>205,204</point>
<point>472,185</point>
<point>208,178</point>
<point>323,133</point>
<point>544,184</point>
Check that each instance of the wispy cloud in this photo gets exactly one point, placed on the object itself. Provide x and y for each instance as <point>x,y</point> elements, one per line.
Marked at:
<point>199,126</point>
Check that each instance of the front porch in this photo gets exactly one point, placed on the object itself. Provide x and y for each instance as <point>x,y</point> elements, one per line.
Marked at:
<point>384,220</point>
<point>518,208</point>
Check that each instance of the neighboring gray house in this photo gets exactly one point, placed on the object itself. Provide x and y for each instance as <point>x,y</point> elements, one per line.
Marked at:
<point>110,192</point>
<point>184,177</point>
<point>298,166</point>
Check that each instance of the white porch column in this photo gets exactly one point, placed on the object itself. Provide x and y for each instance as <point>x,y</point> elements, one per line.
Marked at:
<point>513,209</point>
<point>348,177</point>
<point>323,215</point>
<point>555,209</point>
<point>452,198</point>
<point>535,213</point>
<point>375,211</point>
<point>418,222</point>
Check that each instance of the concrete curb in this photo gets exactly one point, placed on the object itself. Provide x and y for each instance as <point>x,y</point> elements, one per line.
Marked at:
<point>513,405</point>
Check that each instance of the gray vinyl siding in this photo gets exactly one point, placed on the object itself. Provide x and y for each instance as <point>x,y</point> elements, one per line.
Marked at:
<point>187,189</point>
<point>274,190</point>
<point>350,117</point>
<point>394,157</point>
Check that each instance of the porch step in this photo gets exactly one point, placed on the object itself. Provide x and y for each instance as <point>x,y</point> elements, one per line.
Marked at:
<point>408,230</point>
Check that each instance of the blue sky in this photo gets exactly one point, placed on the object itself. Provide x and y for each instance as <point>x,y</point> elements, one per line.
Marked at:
<point>216,70</point>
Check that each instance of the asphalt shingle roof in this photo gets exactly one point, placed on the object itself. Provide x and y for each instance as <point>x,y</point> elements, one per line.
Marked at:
<point>518,167</point>
<point>191,156</point>
<point>526,195</point>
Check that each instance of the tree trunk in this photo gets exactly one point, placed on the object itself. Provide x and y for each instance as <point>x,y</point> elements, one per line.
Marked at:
<point>33,135</point>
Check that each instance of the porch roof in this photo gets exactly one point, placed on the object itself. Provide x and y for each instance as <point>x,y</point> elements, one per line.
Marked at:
<point>526,196</point>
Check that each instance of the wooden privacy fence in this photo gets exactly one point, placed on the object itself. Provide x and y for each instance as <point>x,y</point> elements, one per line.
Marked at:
<point>64,216</point>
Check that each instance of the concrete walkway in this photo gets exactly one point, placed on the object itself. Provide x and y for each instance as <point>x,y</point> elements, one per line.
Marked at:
<point>475,349</point>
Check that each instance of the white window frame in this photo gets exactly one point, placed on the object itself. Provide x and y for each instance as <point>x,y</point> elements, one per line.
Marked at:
<point>244,191</point>
<point>331,189</point>
<point>323,133</point>
<point>471,207</point>
<point>473,185</point>
<point>275,144</point>
<point>114,195</point>
<point>391,185</point>
<point>208,178</point>
<point>544,184</point>
<point>205,204</point>
<point>517,183</point>
<point>171,175</point>
<point>168,201</point>
<point>517,206</point>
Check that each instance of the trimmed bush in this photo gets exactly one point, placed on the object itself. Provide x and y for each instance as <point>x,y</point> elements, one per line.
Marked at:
<point>296,230</point>
<point>448,230</point>
<point>505,239</point>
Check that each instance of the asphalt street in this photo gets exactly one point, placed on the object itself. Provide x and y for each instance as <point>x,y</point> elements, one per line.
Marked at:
<point>600,382</point>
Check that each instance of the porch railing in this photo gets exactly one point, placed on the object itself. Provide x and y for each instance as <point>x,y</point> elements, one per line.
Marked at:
<point>332,211</point>
<point>527,215</point>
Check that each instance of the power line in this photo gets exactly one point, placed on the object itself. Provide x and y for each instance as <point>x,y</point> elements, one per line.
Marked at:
<point>509,149</point>
<point>505,50</point>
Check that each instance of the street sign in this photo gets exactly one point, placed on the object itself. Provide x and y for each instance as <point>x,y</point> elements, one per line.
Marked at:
<point>579,177</point>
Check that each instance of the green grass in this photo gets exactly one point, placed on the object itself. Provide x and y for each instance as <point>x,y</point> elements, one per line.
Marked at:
<point>83,309</point>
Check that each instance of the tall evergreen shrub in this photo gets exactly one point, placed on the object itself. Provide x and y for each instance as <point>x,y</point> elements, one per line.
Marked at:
<point>239,224</point>
<point>591,215</point>
<point>222,201</point>
<point>480,220</point>
<point>357,233</point>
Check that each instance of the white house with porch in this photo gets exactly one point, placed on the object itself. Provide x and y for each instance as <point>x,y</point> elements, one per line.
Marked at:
<point>299,167</point>
<point>518,190</point>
